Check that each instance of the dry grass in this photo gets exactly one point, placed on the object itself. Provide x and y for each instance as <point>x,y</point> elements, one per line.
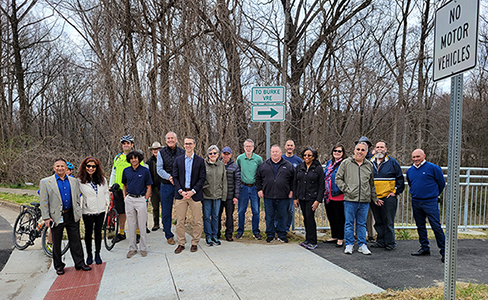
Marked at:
<point>465,291</point>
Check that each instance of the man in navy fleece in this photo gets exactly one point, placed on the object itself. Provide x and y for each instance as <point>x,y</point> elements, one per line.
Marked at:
<point>426,183</point>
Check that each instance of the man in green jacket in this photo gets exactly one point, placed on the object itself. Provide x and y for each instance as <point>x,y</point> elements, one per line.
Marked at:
<point>355,178</point>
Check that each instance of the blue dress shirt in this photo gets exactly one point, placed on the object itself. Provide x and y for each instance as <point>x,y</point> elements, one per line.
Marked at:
<point>188,166</point>
<point>65,191</point>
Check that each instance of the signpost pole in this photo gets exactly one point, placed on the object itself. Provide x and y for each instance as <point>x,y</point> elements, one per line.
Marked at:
<point>268,134</point>
<point>452,191</point>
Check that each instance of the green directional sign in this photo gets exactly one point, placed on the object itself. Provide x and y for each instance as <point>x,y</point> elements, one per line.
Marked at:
<point>268,94</point>
<point>268,113</point>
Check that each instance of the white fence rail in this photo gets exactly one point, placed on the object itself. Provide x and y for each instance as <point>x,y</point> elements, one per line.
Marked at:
<point>473,203</point>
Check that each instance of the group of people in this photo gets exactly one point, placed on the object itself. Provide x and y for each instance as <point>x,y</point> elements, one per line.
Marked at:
<point>349,186</point>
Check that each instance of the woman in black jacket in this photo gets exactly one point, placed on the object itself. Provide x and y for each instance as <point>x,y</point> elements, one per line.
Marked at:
<point>308,192</point>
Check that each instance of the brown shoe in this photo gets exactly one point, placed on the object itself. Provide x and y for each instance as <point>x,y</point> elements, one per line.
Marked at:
<point>131,253</point>
<point>179,249</point>
<point>144,253</point>
<point>171,241</point>
<point>194,248</point>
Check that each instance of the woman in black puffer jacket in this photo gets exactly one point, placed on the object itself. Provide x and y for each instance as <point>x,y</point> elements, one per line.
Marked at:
<point>308,192</point>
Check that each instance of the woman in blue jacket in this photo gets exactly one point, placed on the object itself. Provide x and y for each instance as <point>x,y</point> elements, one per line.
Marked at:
<point>334,198</point>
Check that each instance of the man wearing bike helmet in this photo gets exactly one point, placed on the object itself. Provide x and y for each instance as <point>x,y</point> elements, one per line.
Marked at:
<point>70,169</point>
<point>120,163</point>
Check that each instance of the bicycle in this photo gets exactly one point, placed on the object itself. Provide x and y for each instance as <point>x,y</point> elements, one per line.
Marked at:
<point>111,222</point>
<point>29,226</point>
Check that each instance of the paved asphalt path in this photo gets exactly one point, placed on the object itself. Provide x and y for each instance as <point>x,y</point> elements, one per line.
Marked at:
<point>398,269</point>
<point>6,244</point>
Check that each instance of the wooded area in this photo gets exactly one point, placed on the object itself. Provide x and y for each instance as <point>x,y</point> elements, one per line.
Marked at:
<point>76,75</point>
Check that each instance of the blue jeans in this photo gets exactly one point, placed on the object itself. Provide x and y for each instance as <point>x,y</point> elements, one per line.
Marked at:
<point>428,209</point>
<point>289,218</point>
<point>355,211</point>
<point>246,194</point>
<point>167,195</point>
<point>384,217</point>
<point>210,209</point>
<point>276,210</point>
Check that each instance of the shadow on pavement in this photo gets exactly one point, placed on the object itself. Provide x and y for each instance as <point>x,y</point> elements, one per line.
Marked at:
<point>6,244</point>
<point>398,269</point>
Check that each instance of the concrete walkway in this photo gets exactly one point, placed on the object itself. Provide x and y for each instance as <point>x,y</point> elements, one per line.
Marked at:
<point>234,270</point>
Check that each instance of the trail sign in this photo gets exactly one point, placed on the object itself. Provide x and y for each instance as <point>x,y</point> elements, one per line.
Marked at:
<point>268,94</point>
<point>455,38</point>
<point>268,113</point>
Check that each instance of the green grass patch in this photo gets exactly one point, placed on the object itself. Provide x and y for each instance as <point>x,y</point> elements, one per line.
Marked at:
<point>19,186</point>
<point>18,198</point>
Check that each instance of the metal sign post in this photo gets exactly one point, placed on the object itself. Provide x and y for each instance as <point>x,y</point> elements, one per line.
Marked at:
<point>452,191</point>
<point>455,51</point>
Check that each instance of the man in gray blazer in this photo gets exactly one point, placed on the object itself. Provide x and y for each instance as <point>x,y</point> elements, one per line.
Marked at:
<point>60,207</point>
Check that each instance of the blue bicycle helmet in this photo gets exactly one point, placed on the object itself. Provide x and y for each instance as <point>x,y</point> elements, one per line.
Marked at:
<point>127,138</point>
<point>70,166</point>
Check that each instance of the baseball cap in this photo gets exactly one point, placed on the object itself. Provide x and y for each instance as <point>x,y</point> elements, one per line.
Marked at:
<point>227,150</point>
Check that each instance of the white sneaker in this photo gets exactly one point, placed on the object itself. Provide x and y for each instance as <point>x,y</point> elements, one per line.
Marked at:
<point>348,249</point>
<point>364,250</point>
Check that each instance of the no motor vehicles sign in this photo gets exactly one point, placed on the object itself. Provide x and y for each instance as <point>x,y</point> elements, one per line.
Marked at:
<point>455,38</point>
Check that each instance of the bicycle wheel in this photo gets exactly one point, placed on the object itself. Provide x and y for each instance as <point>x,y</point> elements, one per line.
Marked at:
<point>24,229</point>
<point>111,229</point>
<point>47,243</point>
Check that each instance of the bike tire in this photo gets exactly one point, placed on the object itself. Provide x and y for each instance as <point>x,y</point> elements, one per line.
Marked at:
<point>24,232</point>
<point>111,229</point>
<point>47,244</point>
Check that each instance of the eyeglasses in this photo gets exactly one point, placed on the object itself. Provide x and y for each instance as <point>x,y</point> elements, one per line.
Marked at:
<point>91,166</point>
<point>212,153</point>
<point>307,155</point>
<point>338,151</point>
<point>360,149</point>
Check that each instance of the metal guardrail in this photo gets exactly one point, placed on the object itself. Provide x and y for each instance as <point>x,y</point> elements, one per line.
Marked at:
<point>473,203</point>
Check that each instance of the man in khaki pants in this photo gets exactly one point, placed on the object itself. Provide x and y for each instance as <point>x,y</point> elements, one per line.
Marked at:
<point>189,176</point>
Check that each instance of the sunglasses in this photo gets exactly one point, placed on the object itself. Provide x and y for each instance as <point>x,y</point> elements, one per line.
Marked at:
<point>360,149</point>
<point>307,155</point>
<point>338,151</point>
<point>91,166</point>
<point>212,153</point>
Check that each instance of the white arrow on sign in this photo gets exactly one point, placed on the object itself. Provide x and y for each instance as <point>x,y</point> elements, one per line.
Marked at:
<point>268,113</point>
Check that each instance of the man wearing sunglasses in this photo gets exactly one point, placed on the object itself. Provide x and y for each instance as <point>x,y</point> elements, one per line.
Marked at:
<point>389,182</point>
<point>355,178</point>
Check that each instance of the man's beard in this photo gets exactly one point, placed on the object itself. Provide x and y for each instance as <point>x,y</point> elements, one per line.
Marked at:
<point>380,154</point>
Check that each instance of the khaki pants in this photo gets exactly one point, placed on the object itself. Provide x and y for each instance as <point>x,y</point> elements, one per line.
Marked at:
<point>136,211</point>
<point>181,207</point>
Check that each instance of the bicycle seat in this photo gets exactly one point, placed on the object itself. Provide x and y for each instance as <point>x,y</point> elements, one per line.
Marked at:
<point>35,204</point>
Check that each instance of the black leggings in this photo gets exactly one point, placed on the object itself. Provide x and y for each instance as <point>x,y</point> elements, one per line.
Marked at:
<point>89,220</point>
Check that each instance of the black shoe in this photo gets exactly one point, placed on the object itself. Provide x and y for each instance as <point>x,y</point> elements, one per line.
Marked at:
<point>239,235</point>
<point>60,271</point>
<point>138,238</point>
<point>283,239</point>
<point>269,239</point>
<point>120,237</point>
<point>216,241</point>
<point>147,230</point>
<point>209,241</point>
<point>376,245</point>
<point>371,239</point>
<point>83,268</point>
<point>155,228</point>
<point>229,238</point>
<point>89,259</point>
<point>390,248</point>
<point>421,252</point>
<point>258,236</point>
<point>98,259</point>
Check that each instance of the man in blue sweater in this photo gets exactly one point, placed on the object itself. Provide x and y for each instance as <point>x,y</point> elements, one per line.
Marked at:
<point>426,183</point>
